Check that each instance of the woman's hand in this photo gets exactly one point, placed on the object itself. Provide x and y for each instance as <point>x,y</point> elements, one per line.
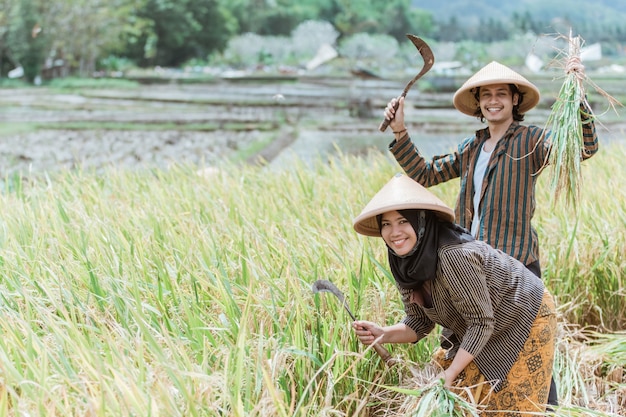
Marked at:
<point>367,331</point>
<point>460,361</point>
<point>447,381</point>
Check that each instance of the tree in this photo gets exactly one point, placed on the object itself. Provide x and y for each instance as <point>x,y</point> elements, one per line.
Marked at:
<point>179,30</point>
<point>450,31</point>
<point>66,36</point>
<point>6,61</point>
<point>491,30</point>
<point>398,18</point>
<point>26,43</point>
<point>275,17</point>
<point>522,22</point>
<point>79,31</point>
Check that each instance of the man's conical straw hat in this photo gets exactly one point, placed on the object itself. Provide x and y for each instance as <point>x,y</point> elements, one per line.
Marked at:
<point>495,73</point>
<point>400,193</point>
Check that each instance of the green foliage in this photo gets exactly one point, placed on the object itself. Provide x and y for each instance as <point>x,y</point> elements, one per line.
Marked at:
<point>113,64</point>
<point>276,18</point>
<point>77,36</point>
<point>80,32</point>
<point>12,83</point>
<point>78,83</point>
<point>472,52</point>
<point>437,401</point>
<point>450,30</point>
<point>178,292</point>
<point>399,18</point>
<point>25,33</point>
<point>583,250</point>
<point>602,22</point>
<point>180,30</point>
<point>395,18</point>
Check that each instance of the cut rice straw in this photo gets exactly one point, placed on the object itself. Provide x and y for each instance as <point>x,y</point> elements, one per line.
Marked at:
<point>438,401</point>
<point>566,133</point>
<point>566,127</point>
<point>435,400</point>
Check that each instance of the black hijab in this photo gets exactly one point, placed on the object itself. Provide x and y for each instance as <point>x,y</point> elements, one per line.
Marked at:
<point>420,265</point>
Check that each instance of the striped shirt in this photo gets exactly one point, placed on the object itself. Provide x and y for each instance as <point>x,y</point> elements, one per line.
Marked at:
<point>488,299</point>
<point>508,188</point>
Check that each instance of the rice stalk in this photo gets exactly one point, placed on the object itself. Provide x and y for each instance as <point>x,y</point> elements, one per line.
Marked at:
<point>435,400</point>
<point>612,346</point>
<point>566,134</point>
<point>566,127</point>
<point>575,411</point>
<point>609,352</point>
<point>567,371</point>
<point>201,287</point>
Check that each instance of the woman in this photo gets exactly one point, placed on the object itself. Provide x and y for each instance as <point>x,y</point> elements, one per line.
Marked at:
<point>501,315</point>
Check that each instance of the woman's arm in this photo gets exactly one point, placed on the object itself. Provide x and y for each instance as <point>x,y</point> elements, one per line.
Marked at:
<point>368,332</point>
<point>460,361</point>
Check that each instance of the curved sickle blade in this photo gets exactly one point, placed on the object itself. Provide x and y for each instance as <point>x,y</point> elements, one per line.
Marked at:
<point>427,56</point>
<point>323,285</point>
<point>429,60</point>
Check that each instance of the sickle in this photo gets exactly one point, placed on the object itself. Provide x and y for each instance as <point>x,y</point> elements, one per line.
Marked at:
<point>429,60</point>
<point>323,285</point>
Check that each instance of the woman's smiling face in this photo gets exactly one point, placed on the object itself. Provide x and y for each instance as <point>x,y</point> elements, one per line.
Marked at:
<point>397,233</point>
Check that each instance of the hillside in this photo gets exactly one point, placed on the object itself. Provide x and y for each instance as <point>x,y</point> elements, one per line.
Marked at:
<point>601,11</point>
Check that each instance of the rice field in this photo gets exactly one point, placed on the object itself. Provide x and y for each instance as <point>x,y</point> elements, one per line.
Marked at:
<point>187,292</point>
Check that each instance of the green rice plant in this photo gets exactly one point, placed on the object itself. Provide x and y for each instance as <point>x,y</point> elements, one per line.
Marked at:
<point>156,292</point>
<point>582,256</point>
<point>609,353</point>
<point>611,346</point>
<point>565,126</point>
<point>589,380</point>
<point>438,401</point>
<point>566,133</point>
<point>574,411</point>
<point>434,400</point>
<point>567,372</point>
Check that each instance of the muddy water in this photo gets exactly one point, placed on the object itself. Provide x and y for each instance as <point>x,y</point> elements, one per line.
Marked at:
<point>270,120</point>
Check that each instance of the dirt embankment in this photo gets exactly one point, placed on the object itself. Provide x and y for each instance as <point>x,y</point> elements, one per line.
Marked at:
<point>275,121</point>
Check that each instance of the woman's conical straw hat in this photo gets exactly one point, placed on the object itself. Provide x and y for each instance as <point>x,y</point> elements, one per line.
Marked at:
<point>400,193</point>
<point>495,73</point>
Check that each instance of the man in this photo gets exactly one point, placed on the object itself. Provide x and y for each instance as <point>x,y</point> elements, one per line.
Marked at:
<point>498,166</point>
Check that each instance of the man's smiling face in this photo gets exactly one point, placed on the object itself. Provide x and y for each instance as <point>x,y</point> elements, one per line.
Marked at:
<point>496,103</point>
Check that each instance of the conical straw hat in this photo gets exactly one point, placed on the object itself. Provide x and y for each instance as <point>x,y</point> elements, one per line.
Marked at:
<point>400,193</point>
<point>495,73</point>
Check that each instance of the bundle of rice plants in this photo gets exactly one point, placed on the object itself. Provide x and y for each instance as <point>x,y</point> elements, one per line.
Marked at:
<point>435,400</point>
<point>566,126</point>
